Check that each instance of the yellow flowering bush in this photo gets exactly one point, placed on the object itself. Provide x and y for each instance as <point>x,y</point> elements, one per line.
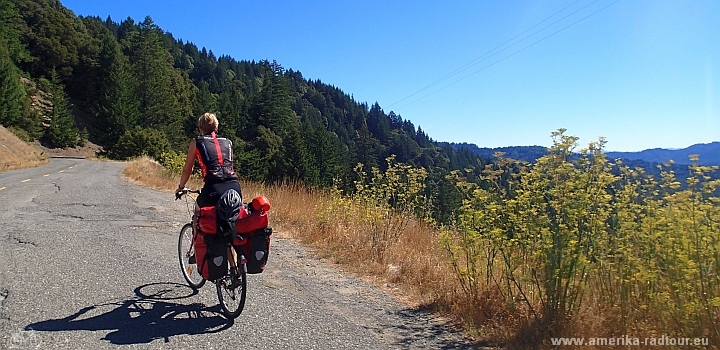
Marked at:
<point>574,228</point>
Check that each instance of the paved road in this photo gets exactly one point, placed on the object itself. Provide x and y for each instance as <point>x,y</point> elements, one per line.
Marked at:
<point>89,262</point>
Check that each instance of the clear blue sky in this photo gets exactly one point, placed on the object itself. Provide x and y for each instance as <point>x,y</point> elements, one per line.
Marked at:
<point>642,73</point>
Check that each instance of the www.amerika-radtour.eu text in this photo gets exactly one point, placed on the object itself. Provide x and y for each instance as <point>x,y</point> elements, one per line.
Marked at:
<point>630,341</point>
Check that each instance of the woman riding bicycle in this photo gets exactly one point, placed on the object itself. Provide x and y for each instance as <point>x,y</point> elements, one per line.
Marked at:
<point>215,156</point>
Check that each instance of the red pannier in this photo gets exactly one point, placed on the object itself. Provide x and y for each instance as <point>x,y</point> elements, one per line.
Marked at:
<point>256,233</point>
<point>208,221</point>
<point>255,221</point>
<point>247,221</point>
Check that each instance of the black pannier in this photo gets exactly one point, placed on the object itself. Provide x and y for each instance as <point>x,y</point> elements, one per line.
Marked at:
<point>259,249</point>
<point>214,264</point>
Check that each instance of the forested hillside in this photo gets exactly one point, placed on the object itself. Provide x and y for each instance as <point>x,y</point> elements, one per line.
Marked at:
<point>708,153</point>
<point>524,153</point>
<point>140,90</point>
<point>653,161</point>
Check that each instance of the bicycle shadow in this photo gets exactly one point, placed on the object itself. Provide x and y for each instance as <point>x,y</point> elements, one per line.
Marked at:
<point>147,317</point>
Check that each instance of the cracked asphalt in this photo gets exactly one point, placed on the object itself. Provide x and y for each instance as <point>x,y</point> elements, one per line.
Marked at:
<point>90,262</point>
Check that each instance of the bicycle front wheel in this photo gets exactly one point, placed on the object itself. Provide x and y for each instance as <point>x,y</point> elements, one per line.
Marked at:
<point>231,294</point>
<point>188,263</point>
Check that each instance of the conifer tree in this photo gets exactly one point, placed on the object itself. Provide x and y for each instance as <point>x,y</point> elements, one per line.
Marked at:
<point>165,95</point>
<point>271,109</point>
<point>378,123</point>
<point>271,105</point>
<point>366,148</point>
<point>116,108</point>
<point>326,152</point>
<point>183,92</point>
<point>231,105</point>
<point>294,160</point>
<point>53,35</point>
<point>152,65</point>
<point>62,132</point>
<point>205,101</point>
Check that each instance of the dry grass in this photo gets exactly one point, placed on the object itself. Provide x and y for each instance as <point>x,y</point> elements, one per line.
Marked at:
<point>147,172</point>
<point>16,154</point>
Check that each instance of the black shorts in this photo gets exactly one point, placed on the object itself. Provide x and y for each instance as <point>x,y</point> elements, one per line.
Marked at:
<point>211,192</point>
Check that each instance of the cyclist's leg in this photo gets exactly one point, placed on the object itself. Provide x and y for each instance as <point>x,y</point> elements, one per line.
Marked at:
<point>191,249</point>
<point>196,216</point>
<point>235,278</point>
<point>232,256</point>
<point>206,197</point>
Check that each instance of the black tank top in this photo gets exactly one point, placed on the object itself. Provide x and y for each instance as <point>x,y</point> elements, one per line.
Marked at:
<point>215,157</point>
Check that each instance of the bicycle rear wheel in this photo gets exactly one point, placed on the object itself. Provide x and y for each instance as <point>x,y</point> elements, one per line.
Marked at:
<point>232,297</point>
<point>186,253</point>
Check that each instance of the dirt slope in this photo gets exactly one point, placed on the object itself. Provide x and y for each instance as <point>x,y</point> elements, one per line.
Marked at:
<point>16,154</point>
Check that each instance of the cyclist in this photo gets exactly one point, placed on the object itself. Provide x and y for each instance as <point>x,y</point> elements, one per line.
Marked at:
<point>215,157</point>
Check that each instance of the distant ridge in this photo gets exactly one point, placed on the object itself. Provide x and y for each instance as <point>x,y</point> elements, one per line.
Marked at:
<point>525,153</point>
<point>709,154</point>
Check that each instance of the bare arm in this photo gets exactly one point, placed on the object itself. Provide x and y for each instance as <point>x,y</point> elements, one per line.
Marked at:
<point>189,162</point>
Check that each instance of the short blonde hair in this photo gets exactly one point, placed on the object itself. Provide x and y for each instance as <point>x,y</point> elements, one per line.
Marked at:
<point>208,123</point>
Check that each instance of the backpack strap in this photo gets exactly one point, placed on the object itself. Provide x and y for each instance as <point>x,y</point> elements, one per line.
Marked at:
<point>218,149</point>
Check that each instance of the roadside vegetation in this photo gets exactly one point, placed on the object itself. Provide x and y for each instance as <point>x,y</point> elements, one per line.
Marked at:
<point>569,246</point>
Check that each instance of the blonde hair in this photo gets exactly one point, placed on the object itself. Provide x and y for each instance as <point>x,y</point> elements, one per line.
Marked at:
<point>208,123</point>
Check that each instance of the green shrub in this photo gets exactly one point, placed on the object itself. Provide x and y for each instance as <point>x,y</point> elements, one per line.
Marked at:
<point>138,141</point>
<point>172,161</point>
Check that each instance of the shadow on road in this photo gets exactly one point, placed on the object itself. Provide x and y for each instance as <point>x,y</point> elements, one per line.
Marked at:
<point>148,316</point>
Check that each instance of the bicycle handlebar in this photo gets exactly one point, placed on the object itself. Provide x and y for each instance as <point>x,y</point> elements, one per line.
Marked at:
<point>180,193</point>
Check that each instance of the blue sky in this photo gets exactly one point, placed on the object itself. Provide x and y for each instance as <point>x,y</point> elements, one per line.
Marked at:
<point>641,73</point>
